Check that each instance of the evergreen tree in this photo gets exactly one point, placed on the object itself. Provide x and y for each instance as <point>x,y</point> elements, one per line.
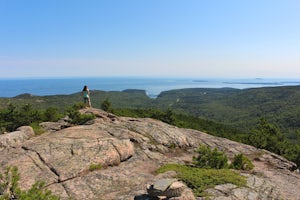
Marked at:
<point>106,105</point>
<point>267,136</point>
<point>208,158</point>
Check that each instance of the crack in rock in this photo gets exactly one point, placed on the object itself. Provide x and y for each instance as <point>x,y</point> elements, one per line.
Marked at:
<point>67,190</point>
<point>52,169</point>
<point>34,162</point>
<point>119,153</point>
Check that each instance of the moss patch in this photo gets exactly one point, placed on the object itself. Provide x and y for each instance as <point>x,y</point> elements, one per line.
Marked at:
<point>94,167</point>
<point>200,179</point>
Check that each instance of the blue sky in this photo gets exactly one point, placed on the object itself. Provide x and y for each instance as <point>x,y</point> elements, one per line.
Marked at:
<point>196,38</point>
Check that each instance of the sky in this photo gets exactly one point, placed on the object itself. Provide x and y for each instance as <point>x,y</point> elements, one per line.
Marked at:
<point>154,38</point>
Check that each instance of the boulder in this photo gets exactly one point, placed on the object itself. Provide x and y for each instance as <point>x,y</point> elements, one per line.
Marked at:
<point>56,126</point>
<point>168,188</point>
<point>16,138</point>
<point>257,188</point>
<point>71,151</point>
<point>187,194</point>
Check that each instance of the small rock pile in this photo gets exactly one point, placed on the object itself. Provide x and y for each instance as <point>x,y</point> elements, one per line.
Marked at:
<point>171,189</point>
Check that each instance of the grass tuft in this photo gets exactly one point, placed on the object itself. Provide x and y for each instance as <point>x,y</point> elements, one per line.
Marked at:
<point>94,167</point>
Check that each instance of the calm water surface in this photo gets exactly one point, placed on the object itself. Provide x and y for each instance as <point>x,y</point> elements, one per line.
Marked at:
<point>152,86</point>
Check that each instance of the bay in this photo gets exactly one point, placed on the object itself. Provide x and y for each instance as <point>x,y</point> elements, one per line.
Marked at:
<point>152,86</point>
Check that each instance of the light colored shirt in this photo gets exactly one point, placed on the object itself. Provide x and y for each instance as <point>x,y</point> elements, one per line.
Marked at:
<point>86,94</point>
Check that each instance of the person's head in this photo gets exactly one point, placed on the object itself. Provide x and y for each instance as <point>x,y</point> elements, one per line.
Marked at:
<point>85,88</point>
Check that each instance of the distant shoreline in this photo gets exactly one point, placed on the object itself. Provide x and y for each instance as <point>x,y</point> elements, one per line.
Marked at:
<point>152,86</point>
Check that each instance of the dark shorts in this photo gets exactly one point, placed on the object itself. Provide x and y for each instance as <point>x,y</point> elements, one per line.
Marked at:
<point>85,99</point>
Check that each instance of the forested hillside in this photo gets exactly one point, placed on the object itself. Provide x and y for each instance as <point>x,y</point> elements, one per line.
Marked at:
<point>241,109</point>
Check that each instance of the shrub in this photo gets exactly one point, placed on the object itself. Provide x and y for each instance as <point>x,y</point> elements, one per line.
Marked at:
<point>241,162</point>
<point>77,118</point>
<point>9,188</point>
<point>12,118</point>
<point>38,130</point>
<point>37,191</point>
<point>210,158</point>
<point>78,106</point>
<point>94,167</point>
<point>200,179</point>
<point>51,114</point>
<point>9,183</point>
<point>267,136</point>
<point>106,105</point>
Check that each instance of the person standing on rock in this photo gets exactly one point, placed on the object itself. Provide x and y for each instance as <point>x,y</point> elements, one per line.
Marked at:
<point>86,96</point>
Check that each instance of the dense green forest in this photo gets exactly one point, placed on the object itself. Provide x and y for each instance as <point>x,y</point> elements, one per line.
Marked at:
<point>234,107</point>
<point>239,108</point>
<point>267,118</point>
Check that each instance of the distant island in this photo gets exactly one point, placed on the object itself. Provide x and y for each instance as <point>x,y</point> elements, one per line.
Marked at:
<point>152,86</point>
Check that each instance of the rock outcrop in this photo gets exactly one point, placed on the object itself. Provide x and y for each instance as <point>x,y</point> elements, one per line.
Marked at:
<point>257,188</point>
<point>129,150</point>
<point>16,138</point>
<point>169,189</point>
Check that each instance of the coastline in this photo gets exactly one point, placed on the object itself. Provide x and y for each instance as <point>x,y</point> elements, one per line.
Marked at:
<point>152,86</point>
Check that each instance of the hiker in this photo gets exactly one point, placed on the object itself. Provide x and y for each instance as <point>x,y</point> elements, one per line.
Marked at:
<point>86,96</point>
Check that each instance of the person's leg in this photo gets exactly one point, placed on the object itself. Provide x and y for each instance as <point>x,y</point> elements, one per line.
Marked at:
<point>89,101</point>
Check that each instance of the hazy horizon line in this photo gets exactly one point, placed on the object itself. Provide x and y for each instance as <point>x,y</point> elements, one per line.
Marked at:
<point>139,77</point>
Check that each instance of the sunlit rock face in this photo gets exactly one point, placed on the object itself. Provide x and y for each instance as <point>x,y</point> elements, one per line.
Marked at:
<point>127,152</point>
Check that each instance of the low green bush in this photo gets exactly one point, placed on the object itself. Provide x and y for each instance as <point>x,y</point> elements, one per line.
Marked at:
<point>13,117</point>
<point>106,105</point>
<point>200,179</point>
<point>94,167</point>
<point>208,158</point>
<point>76,117</point>
<point>51,114</point>
<point>38,130</point>
<point>9,188</point>
<point>78,105</point>
<point>241,162</point>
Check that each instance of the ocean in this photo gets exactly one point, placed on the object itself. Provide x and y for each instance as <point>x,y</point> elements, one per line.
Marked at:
<point>152,86</point>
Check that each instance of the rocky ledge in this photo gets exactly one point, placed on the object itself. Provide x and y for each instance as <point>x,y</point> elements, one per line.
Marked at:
<point>129,150</point>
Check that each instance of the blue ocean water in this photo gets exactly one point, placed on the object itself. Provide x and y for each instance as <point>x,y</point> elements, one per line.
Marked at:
<point>152,86</point>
